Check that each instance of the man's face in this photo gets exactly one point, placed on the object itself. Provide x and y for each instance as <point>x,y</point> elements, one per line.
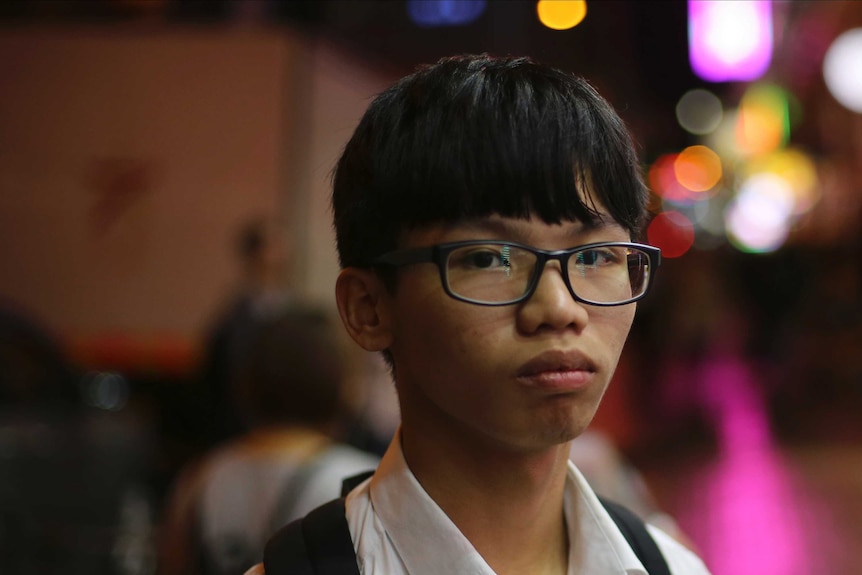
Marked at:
<point>519,377</point>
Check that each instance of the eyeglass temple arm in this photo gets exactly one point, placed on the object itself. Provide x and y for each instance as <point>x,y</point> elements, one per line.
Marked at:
<point>408,256</point>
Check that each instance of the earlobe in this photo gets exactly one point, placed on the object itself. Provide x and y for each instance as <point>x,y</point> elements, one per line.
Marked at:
<point>362,305</point>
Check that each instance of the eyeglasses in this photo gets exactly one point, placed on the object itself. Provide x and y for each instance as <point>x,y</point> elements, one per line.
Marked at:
<point>503,273</point>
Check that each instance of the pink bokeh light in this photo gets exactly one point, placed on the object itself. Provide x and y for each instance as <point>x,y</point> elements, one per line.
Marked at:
<point>730,41</point>
<point>748,510</point>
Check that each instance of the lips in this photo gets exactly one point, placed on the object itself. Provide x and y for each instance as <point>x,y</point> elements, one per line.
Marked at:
<point>559,371</point>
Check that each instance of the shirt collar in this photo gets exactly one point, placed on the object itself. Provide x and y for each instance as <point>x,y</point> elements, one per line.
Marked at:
<point>419,529</point>
<point>605,548</point>
<point>416,525</point>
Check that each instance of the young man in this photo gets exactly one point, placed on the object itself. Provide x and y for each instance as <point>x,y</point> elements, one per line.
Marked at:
<point>484,212</point>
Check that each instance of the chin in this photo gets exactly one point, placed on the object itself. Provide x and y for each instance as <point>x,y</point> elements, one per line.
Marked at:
<point>566,435</point>
<point>563,425</point>
<point>552,437</point>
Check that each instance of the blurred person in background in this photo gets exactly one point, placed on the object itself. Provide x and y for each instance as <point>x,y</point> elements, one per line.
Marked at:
<point>377,415</point>
<point>73,462</point>
<point>486,213</point>
<point>223,507</point>
<point>264,256</point>
<point>34,371</point>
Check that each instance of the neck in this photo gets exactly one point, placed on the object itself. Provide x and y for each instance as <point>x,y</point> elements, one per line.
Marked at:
<point>508,503</point>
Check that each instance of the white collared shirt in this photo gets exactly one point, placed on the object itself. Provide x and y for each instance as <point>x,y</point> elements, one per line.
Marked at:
<point>397,529</point>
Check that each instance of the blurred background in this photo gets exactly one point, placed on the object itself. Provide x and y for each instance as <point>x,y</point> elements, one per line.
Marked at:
<point>145,145</point>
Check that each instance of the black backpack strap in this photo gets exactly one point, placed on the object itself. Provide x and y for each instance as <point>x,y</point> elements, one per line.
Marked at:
<point>349,483</point>
<point>318,544</point>
<point>285,552</point>
<point>634,530</point>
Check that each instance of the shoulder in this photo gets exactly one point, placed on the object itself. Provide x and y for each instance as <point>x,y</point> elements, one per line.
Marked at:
<point>342,461</point>
<point>256,570</point>
<point>680,559</point>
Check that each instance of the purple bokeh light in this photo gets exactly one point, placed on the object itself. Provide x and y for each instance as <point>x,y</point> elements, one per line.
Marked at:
<point>729,41</point>
<point>432,13</point>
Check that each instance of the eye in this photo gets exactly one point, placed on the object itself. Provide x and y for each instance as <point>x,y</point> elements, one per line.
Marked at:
<point>597,257</point>
<point>484,257</point>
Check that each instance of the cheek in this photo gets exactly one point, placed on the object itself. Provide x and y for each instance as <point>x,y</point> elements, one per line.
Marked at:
<point>453,332</point>
<point>481,339</point>
<point>436,335</point>
<point>418,323</point>
<point>614,324</point>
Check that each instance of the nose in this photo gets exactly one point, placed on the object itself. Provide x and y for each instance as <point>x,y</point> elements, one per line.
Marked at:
<point>551,306</point>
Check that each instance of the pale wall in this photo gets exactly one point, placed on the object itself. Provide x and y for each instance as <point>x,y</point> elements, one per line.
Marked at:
<point>129,157</point>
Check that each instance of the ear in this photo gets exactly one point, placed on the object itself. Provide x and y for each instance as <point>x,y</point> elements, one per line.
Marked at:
<point>363,305</point>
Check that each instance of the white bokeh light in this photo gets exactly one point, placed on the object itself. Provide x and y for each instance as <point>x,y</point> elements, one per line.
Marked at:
<point>699,112</point>
<point>842,69</point>
<point>733,33</point>
<point>758,219</point>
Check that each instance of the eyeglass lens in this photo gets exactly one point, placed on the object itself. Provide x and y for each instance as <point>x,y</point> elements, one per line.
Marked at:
<point>496,273</point>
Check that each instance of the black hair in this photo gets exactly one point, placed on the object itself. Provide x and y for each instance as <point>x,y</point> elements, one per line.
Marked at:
<point>294,370</point>
<point>476,135</point>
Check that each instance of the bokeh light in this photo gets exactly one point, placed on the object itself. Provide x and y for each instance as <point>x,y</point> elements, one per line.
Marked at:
<point>663,182</point>
<point>106,390</point>
<point>729,41</point>
<point>842,69</point>
<point>431,13</point>
<point>561,14</point>
<point>763,121</point>
<point>709,223</point>
<point>758,219</point>
<point>699,112</point>
<point>671,231</point>
<point>798,171</point>
<point>723,139</point>
<point>697,168</point>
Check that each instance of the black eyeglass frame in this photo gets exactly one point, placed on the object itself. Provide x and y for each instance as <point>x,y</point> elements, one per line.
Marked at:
<point>439,253</point>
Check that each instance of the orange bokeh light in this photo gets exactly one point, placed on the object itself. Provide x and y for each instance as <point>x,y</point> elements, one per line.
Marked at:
<point>697,168</point>
<point>663,182</point>
<point>561,14</point>
<point>762,124</point>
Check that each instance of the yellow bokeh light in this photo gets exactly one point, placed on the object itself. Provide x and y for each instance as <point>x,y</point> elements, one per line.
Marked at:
<point>797,169</point>
<point>698,168</point>
<point>561,14</point>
